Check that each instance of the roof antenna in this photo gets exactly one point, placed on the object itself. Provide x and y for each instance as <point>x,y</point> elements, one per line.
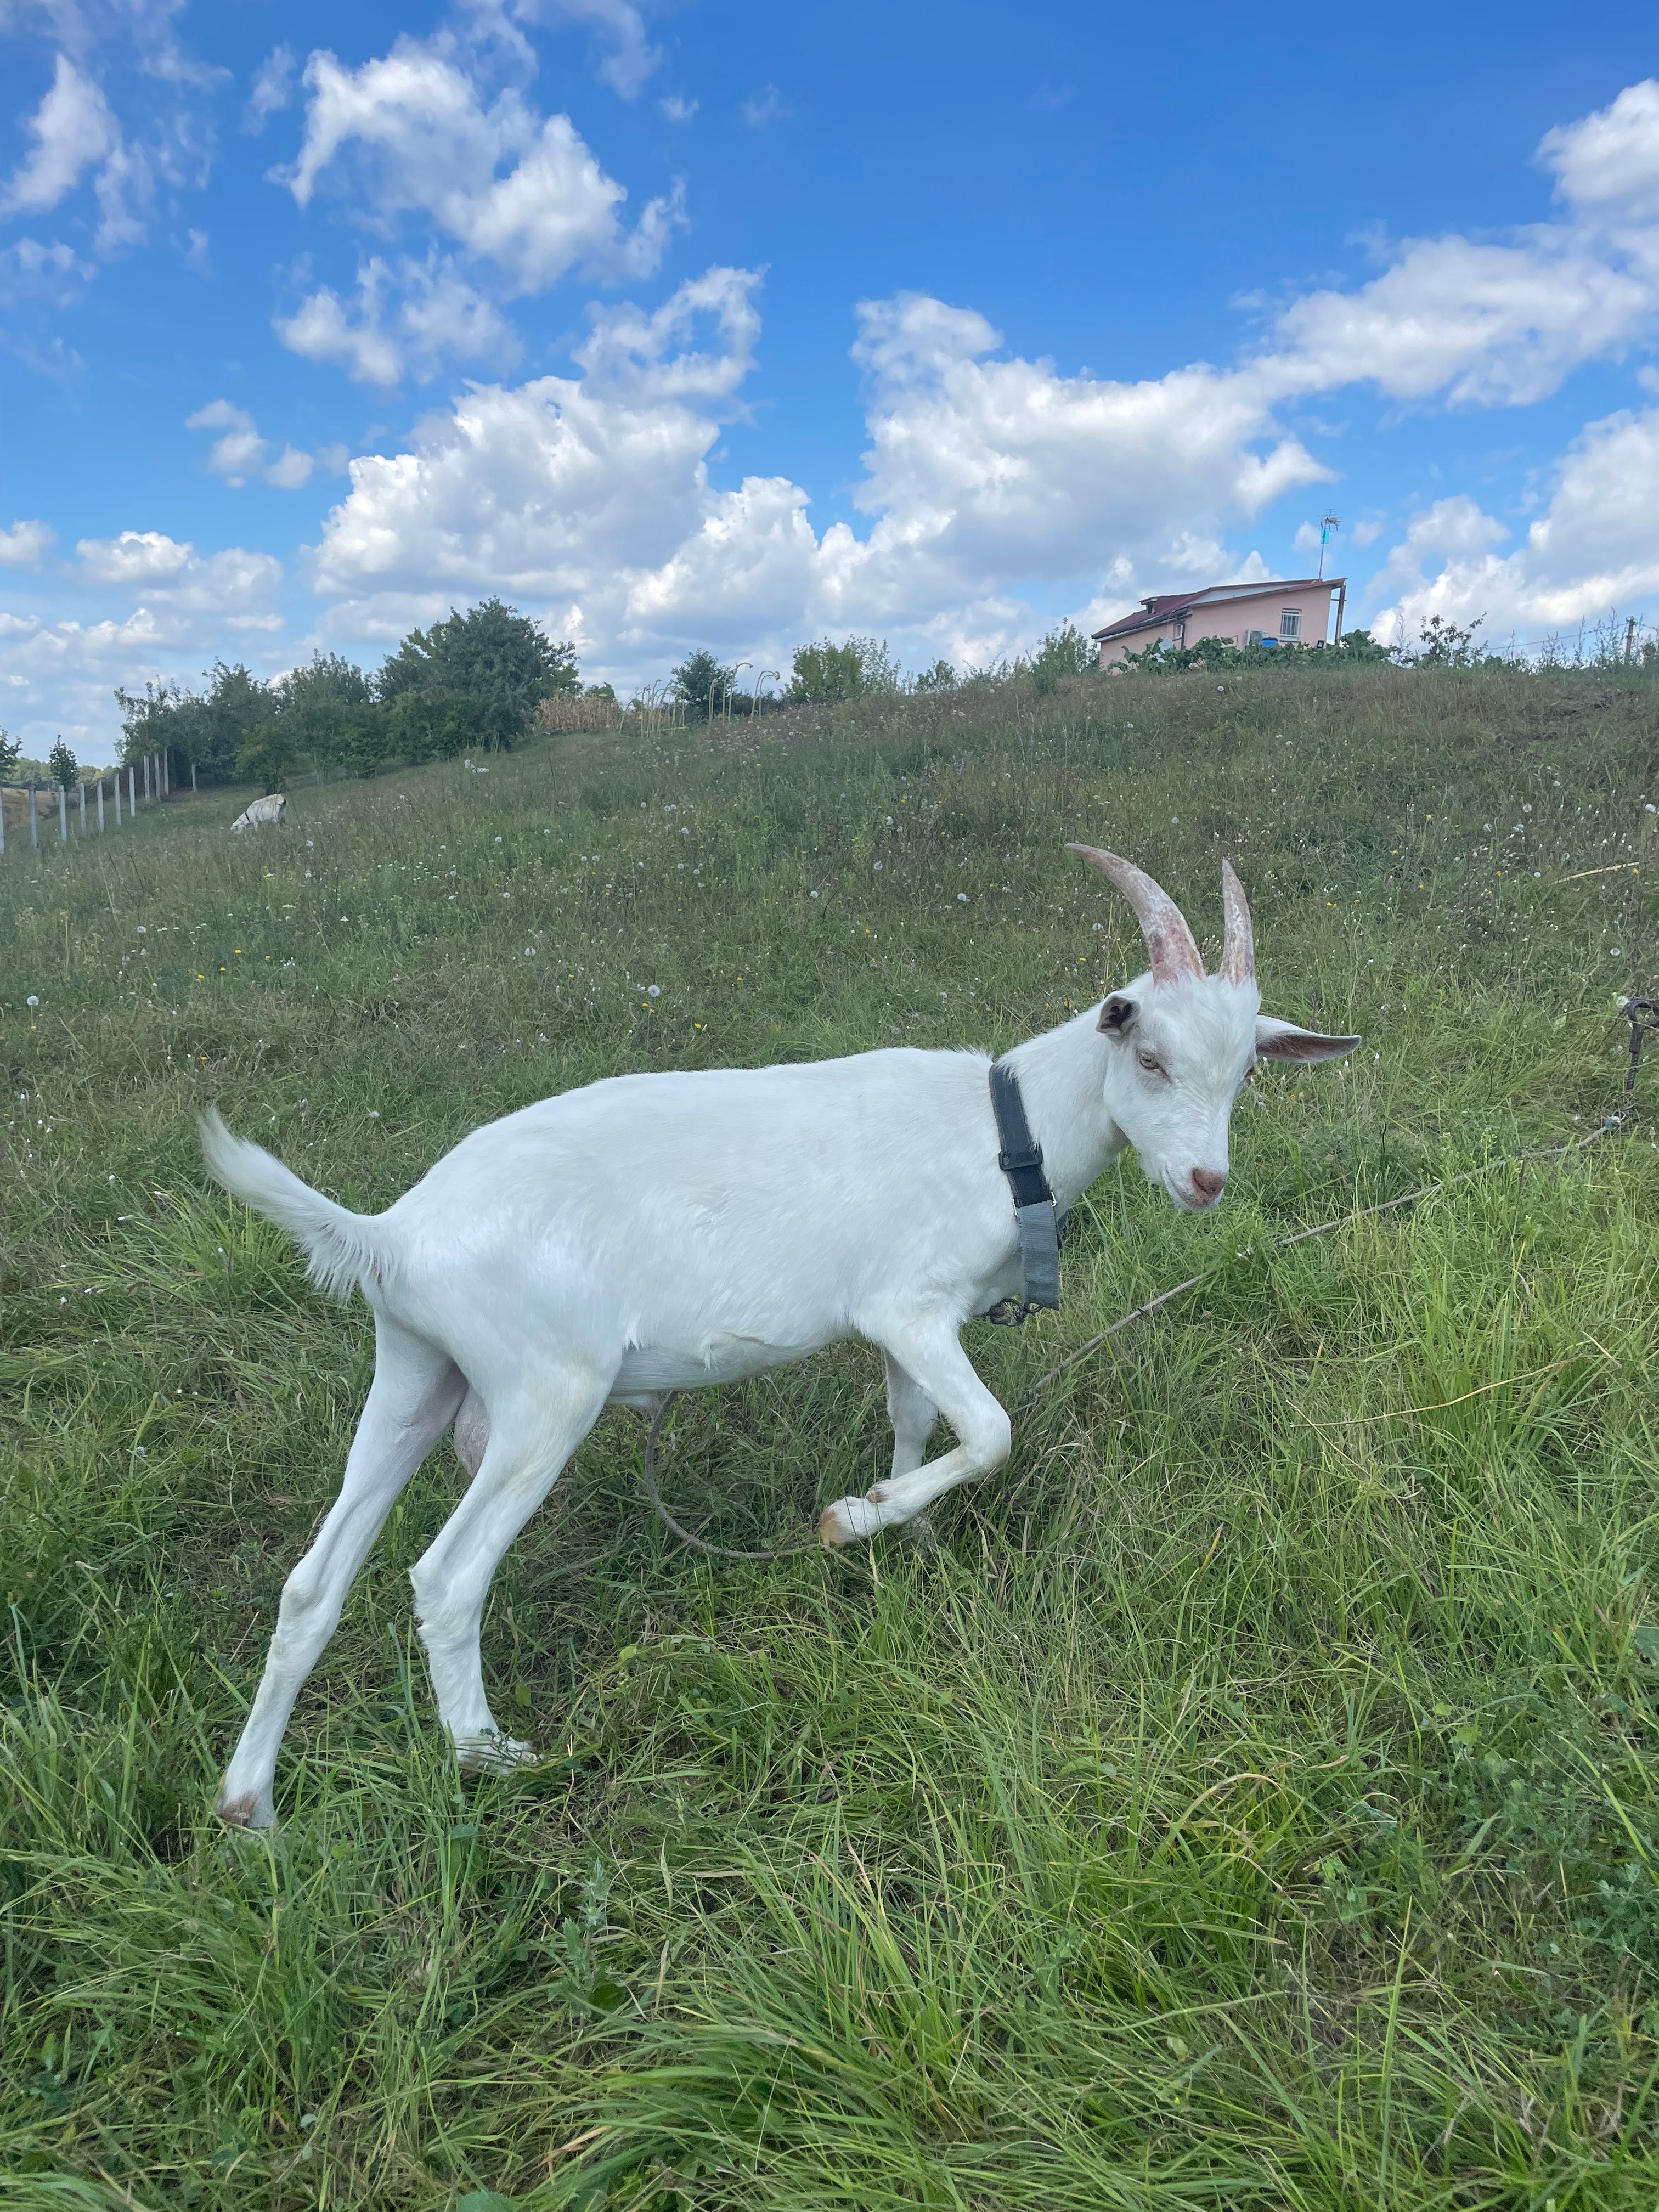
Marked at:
<point>1328,526</point>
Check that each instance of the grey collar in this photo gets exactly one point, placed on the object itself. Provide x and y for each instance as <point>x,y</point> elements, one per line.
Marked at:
<point>1041,1231</point>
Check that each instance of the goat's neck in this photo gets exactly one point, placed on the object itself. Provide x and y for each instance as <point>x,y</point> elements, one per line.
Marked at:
<point>1062,1076</point>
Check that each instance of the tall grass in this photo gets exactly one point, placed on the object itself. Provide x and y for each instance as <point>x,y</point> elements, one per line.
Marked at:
<point>1250,1799</point>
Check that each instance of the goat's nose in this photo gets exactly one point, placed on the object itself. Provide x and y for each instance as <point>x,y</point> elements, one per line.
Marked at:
<point>1209,1183</point>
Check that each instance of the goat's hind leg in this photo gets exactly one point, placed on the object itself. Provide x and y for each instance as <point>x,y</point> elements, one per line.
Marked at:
<point>410,1403</point>
<point>531,1433</point>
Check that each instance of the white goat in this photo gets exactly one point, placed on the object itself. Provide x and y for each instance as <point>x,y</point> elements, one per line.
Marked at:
<point>262,812</point>
<point>666,1233</point>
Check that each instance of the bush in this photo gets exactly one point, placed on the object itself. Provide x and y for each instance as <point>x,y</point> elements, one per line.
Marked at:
<point>1063,653</point>
<point>825,671</point>
<point>65,769</point>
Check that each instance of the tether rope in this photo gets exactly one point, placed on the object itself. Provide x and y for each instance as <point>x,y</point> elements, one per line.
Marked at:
<point>808,1540</point>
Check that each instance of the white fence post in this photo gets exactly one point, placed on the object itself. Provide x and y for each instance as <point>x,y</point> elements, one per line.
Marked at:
<point>34,824</point>
<point>118,797</point>
<point>101,806</point>
<point>81,788</point>
<point>62,816</point>
<point>193,779</point>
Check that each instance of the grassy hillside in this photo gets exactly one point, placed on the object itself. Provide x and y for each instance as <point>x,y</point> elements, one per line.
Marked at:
<point>1253,1799</point>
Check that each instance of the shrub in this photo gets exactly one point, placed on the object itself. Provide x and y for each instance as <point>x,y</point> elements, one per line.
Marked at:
<point>703,685</point>
<point>826,671</point>
<point>1064,652</point>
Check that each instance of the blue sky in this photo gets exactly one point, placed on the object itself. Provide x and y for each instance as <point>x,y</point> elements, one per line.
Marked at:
<point>735,326</point>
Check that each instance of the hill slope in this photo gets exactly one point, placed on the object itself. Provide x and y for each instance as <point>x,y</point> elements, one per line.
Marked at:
<point>1252,1798</point>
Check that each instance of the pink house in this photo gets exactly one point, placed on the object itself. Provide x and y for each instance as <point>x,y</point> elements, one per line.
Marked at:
<point>1294,613</point>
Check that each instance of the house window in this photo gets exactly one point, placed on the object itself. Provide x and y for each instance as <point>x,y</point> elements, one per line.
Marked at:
<point>1289,622</point>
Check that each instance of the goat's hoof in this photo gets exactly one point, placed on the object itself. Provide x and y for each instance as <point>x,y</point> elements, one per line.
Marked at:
<point>253,1808</point>
<point>493,1755</point>
<point>846,1522</point>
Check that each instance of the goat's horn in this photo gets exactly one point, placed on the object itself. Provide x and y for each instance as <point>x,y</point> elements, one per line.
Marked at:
<point>1238,938</point>
<point>1169,940</point>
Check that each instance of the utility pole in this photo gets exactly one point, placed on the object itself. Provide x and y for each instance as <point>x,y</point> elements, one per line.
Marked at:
<point>1630,638</point>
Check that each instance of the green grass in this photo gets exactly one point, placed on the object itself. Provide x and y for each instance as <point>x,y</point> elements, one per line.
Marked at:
<point>1252,1801</point>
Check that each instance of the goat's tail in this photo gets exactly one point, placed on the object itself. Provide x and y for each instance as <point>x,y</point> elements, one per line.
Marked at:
<point>344,1249</point>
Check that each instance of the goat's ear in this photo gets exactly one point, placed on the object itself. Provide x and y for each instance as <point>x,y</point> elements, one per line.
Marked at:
<point>1284,1041</point>
<point>1117,1014</point>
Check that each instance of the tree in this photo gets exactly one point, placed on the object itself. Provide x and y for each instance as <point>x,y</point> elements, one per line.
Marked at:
<point>702,684</point>
<point>65,769</point>
<point>324,713</point>
<point>151,720</point>
<point>941,677</point>
<point>495,665</point>
<point>210,729</point>
<point>11,751</point>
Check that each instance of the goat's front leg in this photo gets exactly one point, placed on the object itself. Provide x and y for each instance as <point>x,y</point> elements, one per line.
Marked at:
<point>937,1368</point>
<point>913,1414</point>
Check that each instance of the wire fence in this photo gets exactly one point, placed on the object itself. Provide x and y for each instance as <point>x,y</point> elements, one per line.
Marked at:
<point>93,807</point>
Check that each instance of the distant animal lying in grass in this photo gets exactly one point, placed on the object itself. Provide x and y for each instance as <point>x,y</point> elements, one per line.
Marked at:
<point>666,1233</point>
<point>263,810</point>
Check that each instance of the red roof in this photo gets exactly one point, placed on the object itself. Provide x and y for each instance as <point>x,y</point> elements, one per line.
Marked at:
<point>1154,613</point>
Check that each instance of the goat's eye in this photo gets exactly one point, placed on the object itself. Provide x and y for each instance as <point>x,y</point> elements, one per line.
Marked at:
<point>1149,1062</point>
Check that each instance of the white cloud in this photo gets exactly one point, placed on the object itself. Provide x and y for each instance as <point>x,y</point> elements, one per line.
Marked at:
<point>1482,325</point>
<point>239,452</point>
<point>236,586</point>
<point>410,134</point>
<point>148,605</point>
<point>1610,160</point>
<point>676,109</point>
<point>762,107</point>
<point>32,270</point>
<point>1594,547</point>
<point>26,545</point>
<point>136,558</point>
<point>1504,321</point>
<point>406,317</point>
<point>272,89</point>
<point>591,493</point>
<point>72,130</point>
<point>631,60</point>
<point>544,486</point>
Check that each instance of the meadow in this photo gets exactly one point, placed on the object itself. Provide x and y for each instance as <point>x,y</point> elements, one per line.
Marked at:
<point>1249,1800</point>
